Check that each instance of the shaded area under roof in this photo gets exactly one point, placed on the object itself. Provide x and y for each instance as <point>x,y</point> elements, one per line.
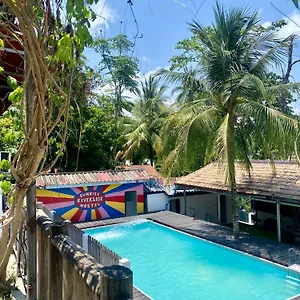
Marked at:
<point>282,182</point>
<point>76,178</point>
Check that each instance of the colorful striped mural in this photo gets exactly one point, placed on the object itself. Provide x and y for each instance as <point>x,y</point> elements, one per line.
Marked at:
<point>88,203</point>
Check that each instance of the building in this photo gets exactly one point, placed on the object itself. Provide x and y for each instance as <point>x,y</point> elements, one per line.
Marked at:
<point>274,193</point>
<point>88,196</point>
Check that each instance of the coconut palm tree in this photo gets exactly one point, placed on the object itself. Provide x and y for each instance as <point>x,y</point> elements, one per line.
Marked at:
<point>188,85</point>
<point>233,61</point>
<point>146,122</point>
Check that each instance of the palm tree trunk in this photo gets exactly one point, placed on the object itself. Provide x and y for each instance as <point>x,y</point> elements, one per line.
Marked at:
<point>231,155</point>
<point>235,210</point>
<point>151,155</point>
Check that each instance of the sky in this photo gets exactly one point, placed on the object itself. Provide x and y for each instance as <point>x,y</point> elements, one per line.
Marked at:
<point>162,23</point>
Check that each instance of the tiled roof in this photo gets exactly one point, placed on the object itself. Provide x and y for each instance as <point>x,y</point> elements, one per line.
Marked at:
<point>92,177</point>
<point>158,186</point>
<point>283,182</point>
<point>151,171</point>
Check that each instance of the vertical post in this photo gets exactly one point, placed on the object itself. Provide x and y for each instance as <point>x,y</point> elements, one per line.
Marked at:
<point>85,242</point>
<point>184,196</point>
<point>278,221</point>
<point>219,208</point>
<point>56,266</point>
<point>52,215</point>
<point>31,242</point>
<point>116,283</point>
<point>30,199</point>
<point>19,248</point>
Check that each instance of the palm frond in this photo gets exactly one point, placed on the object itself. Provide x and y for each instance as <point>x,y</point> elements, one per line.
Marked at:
<point>225,147</point>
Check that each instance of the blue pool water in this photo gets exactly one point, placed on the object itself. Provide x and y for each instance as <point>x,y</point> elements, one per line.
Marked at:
<point>168,264</point>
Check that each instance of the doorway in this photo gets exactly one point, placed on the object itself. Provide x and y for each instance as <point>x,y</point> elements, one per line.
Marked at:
<point>175,205</point>
<point>130,203</point>
<point>223,209</point>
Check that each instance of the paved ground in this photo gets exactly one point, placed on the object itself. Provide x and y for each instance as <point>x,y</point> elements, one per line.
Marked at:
<point>18,293</point>
<point>260,247</point>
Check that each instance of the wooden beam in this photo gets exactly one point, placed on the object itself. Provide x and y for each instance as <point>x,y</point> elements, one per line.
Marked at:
<point>184,195</point>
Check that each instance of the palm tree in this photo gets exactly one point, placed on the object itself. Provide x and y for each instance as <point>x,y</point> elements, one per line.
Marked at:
<point>233,61</point>
<point>146,122</point>
<point>188,85</point>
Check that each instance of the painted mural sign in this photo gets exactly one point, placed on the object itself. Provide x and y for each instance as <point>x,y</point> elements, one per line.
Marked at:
<point>88,203</point>
<point>89,199</point>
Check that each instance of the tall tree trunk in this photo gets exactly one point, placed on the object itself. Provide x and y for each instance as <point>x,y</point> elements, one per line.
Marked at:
<point>231,155</point>
<point>235,210</point>
<point>151,155</point>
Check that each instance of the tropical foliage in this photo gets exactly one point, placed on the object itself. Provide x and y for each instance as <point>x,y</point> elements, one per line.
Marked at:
<point>146,122</point>
<point>229,101</point>
<point>120,70</point>
<point>233,113</point>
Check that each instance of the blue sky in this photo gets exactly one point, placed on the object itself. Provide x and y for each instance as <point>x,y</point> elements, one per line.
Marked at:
<point>163,23</point>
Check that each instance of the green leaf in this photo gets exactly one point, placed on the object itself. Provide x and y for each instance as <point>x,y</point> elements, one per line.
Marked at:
<point>4,165</point>
<point>296,2</point>
<point>12,82</point>
<point>69,6</point>
<point>64,51</point>
<point>1,43</point>
<point>16,95</point>
<point>1,69</point>
<point>5,186</point>
<point>84,35</point>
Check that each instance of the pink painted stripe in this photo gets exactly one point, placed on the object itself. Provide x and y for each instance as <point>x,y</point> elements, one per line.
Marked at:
<point>76,190</point>
<point>82,217</point>
<point>59,204</point>
<point>103,212</point>
<point>139,191</point>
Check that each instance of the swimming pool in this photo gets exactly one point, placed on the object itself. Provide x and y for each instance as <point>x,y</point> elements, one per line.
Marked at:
<point>168,264</point>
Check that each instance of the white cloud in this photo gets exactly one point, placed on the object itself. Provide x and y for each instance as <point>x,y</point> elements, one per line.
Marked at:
<point>266,24</point>
<point>292,27</point>
<point>105,16</point>
<point>145,59</point>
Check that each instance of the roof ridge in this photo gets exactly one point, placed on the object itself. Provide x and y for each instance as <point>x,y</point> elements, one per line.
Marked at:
<point>91,172</point>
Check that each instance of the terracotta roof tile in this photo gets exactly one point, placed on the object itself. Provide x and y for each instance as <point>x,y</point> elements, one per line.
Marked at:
<point>151,171</point>
<point>264,180</point>
<point>92,177</point>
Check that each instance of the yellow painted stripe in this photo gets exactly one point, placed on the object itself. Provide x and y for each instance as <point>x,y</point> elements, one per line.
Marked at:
<point>140,208</point>
<point>85,188</point>
<point>93,214</point>
<point>117,205</point>
<point>111,187</point>
<point>46,193</point>
<point>69,214</point>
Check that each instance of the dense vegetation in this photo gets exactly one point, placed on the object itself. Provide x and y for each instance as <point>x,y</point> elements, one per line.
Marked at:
<point>227,101</point>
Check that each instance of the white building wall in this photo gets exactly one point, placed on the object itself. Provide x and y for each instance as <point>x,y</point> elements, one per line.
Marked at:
<point>157,202</point>
<point>201,206</point>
